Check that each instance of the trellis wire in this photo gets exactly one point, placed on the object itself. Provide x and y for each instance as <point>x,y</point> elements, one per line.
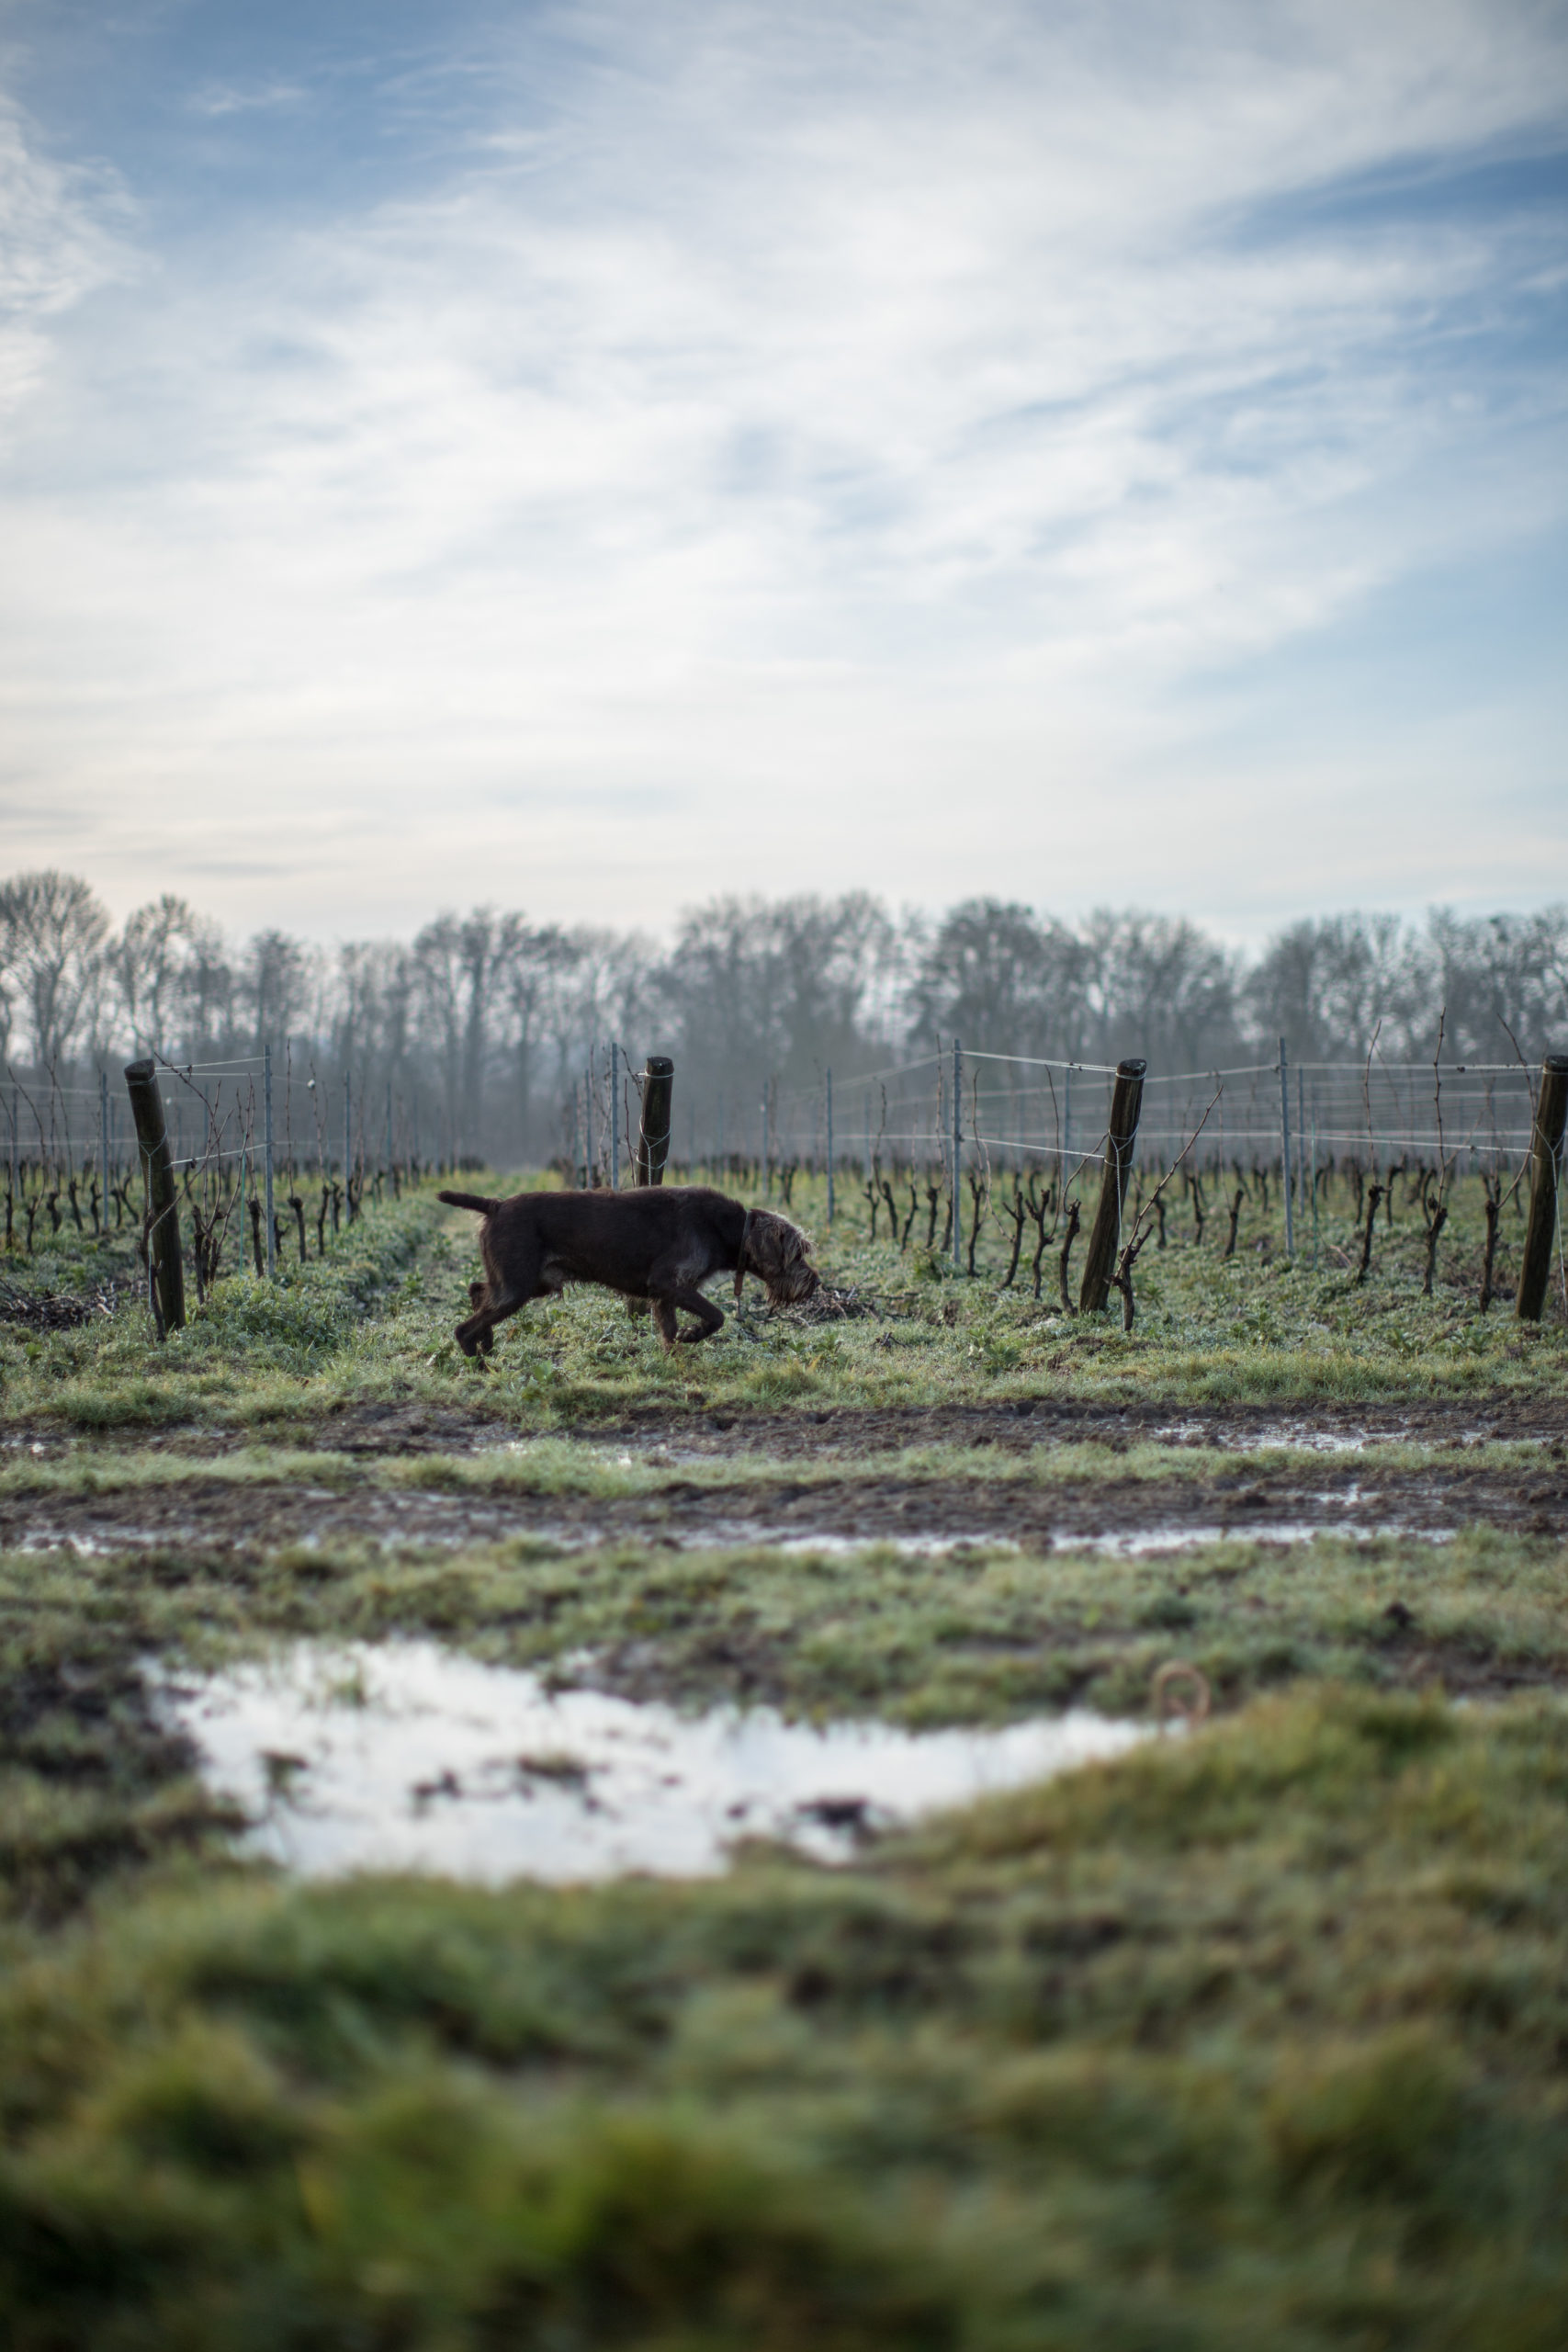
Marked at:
<point>1457,1115</point>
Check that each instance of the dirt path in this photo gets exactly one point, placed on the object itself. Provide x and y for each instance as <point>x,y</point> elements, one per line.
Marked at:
<point>1015,1427</point>
<point>1335,1492</point>
<point>417,1427</point>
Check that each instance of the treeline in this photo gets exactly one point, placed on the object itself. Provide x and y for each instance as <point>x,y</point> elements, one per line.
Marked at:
<point>482,1023</point>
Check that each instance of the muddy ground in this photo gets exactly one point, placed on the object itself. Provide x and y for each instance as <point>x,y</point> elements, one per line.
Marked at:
<point>1017,1427</point>
<point>1263,1501</point>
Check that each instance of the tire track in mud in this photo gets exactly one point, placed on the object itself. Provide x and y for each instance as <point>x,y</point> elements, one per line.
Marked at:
<point>1015,1426</point>
<point>1257,1501</point>
<point>370,1431</point>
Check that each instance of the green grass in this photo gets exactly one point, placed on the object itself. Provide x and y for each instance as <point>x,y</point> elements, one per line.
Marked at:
<point>374,1322</point>
<point>1257,2037</point>
<point>1252,2039</point>
<point>91,1788</point>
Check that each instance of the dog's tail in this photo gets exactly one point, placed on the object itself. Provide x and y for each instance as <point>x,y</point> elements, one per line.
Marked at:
<point>469,1200</point>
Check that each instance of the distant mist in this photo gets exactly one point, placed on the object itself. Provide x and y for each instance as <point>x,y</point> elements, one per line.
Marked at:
<point>477,1028</point>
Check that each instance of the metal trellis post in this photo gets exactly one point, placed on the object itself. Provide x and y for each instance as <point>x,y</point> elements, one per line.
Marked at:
<point>1285,1149</point>
<point>957,1153</point>
<point>829,1082</point>
<point>267,1148</point>
<point>615,1117</point>
<point>1301,1134</point>
<point>766,1187</point>
<point>347,1131</point>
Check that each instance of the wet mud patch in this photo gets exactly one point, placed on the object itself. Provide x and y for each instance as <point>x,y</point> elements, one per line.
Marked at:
<point>407,1428</point>
<point>410,1426</point>
<point>97,1779</point>
<point>1016,1426</point>
<point>416,1427</point>
<point>1262,1502</point>
<point>1021,1425</point>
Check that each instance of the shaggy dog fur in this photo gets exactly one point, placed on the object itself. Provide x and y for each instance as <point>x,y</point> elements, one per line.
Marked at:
<point>657,1242</point>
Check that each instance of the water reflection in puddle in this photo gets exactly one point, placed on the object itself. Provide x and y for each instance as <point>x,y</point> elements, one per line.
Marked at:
<point>405,1756</point>
<point>1139,1543</point>
<point>1122,1543</point>
<point>1286,1437</point>
<point>1297,1437</point>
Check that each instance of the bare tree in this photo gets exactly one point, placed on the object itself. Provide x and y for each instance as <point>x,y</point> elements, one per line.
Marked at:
<point>53,930</point>
<point>275,986</point>
<point>531,965</point>
<point>170,977</point>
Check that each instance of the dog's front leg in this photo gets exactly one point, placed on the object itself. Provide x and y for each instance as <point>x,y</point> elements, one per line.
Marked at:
<point>710,1318</point>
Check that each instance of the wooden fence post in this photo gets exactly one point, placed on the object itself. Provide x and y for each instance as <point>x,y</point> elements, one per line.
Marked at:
<point>1540,1233</point>
<point>163,1201</point>
<point>653,1132</point>
<point>1127,1101</point>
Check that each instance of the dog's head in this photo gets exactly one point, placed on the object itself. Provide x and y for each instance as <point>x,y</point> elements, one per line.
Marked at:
<point>779,1254</point>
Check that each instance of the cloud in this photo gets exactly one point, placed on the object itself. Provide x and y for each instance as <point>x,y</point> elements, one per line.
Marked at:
<point>215,99</point>
<point>62,236</point>
<point>917,420</point>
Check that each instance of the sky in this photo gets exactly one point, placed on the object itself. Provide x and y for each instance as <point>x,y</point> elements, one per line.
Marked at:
<point>587,459</point>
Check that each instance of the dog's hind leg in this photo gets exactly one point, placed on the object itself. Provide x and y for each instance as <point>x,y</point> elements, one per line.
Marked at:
<point>478,1294</point>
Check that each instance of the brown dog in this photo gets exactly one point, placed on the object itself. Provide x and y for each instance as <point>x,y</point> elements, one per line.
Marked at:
<point>657,1242</point>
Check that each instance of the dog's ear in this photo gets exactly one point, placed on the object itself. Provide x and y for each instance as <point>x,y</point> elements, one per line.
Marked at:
<point>740,1255</point>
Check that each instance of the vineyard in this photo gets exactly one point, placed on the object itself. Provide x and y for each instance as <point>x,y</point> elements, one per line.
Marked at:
<point>992,1161</point>
<point>1213,1424</point>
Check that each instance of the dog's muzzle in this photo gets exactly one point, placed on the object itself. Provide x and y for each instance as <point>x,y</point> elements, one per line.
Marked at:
<point>793,1287</point>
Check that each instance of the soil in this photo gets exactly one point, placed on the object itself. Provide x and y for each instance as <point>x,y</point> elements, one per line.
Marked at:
<point>1333,1492</point>
<point>1016,1426</point>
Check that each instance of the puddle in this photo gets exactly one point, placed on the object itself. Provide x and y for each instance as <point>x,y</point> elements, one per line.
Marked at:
<point>745,1534</point>
<point>1292,1436</point>
<point>1137,1542</point>
<point>406,1756</point>
<point>1304,1437</point>
<point>735,1533</point>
